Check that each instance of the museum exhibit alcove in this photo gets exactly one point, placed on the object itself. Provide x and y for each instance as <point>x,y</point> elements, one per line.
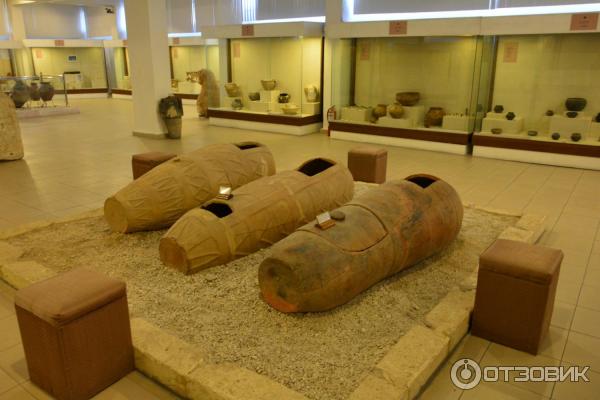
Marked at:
<point>407,91</point>
<point>187,60</point>
<point>543,100</point>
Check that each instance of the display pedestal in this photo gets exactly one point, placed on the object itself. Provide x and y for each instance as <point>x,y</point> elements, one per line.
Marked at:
<point>311,108</point>
<point>269,96</point>
<point>396,122</point>
<point>259,106</point>
<point>355,113</point>
<point>457,122</point>
<point>415,113</point>
<point>595,131</point>
<point>490,122</point>
<point>291,125</point>
<point>565,126</point>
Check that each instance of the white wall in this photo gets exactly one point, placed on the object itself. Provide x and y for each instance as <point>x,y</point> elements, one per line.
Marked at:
<point>179,16</point>
<point>548,69</point>
<point>190,59</point>
<point>100,23</point>
<point>48,21</point>
<point>89,62</point>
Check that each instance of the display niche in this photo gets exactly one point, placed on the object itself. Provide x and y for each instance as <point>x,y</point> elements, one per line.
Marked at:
<point>83,67</point>
<point>121,70</point>
<point>186,64</point>
<point>545,97</point>
<point>273,80</point>
<point>415,88</point>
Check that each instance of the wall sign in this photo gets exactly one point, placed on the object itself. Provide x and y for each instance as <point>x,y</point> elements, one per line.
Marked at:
<point>236,50</point>
<point>176,40</point>
<point>398,27</point>
<point>124,43</point>
<point>365,51</point>
<point>59,43</point>
<point>39,53</point>
<point>584,22</point>
<point>511,52</point>
<point>247,30</point>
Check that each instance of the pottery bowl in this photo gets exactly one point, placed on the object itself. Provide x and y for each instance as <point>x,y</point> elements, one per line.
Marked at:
<point>232,89</point>
<point>496,131</point>
<point>408,98</point>
<point>268,84</point>
<point>290,109</point>
<point>575,103</point>
<point>254,96</point>
<point>572,114</point>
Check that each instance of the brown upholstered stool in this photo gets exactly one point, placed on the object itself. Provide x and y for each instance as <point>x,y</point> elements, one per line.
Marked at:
<point>144,162</point>
<point>75,333</point>
<point>515,293</point>
<point>368,164</point>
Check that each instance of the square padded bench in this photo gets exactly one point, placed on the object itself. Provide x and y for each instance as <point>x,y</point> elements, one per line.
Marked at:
<point>368,164</point>
<point>144,162</point>
<point>516,286</point>
<point>75,333</point>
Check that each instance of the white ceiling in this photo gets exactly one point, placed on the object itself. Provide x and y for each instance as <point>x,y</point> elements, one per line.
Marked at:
<point>89,3</point>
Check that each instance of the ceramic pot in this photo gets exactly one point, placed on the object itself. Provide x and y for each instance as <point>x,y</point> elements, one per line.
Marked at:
<point>408,99</point>
<point>380,111</point>
<point>290,109</point>
<point>597,119</point>
<point>556,136</point>
<point>396,110</point>
<point>232,89</point>
<point>312,93</point>
<point>173,127</point>
<point>34,92</point>
<point>575,103</point>
<point>510,116</point>
<point>572,114</point>
<point>283,98</point>
<point>236,104</point>
<point>46,91</point>
<point>496,131</point>
<point>20,93</point>
<point>576,137</point>
<point>268,84</point>
<point>254,96</point>
<point>434,116</point>
<point>532,133</point>
<point>549,113</point>
<point>498,109</point>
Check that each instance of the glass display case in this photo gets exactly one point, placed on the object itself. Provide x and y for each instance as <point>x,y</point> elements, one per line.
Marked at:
<point>416,89</point>
<point>121,70</point>
<point>544,97</point>
<point>35,92</point>
<point>273,81</point>
<point>83,68</point>
<point>188,61</point>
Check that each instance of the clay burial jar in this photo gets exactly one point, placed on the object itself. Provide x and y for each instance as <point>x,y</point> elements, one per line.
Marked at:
<point>232,89</point>
<point>498,109</point>
<point>254,96</point>
<point>159,197</point>
<point>256,216</point>
<point>380,111</point>
<point>283,98</point>
<point>575,103</point>
<point>434,117</point>
<point>46,91</point>
<point>408,98</point>
<point>396,110</point>
<point>20,93</point>
<point>268,84</point>
<point>34,91</point>
<point>386,230</point>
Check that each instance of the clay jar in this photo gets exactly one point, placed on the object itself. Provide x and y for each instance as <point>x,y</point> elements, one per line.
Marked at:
<point>254,96</point>
<point>20,94</point>
<point>283,98</point>
<point>576,137</point>
<point>434,116</point>
<point>312,93</point>
<point>408,99</point>
<point>236,104</point>
<point>46,91</point>
<point>498,109</point>
<point>232,89</point>
<point>268,84</point>
<point>556,136</point>
<point>597,119</point>
<point>380,110</point>
<point>510,116</point>
<point>34,91</point>
<point>575,103</point>
<point>396,110</point>
<point>572,114</point>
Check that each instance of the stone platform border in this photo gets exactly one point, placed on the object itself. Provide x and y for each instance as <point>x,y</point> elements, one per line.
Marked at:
<point>401,374</point>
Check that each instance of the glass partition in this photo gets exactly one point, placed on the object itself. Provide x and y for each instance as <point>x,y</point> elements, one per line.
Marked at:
<point>188,61</point>
<point>121,65</point>
<point>35,91</point>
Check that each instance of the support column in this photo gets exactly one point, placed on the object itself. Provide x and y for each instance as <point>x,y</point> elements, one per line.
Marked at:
<point>150,72</point>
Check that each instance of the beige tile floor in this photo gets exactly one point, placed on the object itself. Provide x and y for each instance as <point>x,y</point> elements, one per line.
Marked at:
<point>73,162</point>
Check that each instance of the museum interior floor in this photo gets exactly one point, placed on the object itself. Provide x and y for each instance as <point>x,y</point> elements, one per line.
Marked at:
<point>73,162</point>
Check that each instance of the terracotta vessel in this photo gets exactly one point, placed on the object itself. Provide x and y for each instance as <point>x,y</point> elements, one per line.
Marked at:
<point>312,93</point>
<point>46,91</point>
<point>237,104</point>
<point>396,110</point>
<point>576,137</point>
<point>496,131</point>
<point>283,98</point>
<point>290,109</point>
<point>254,96</point>
<point>549,113</point>
<point>572,114</point>
<point>434,117</point>
<point>20,93</point>
<point>597,119</point>
<point>510,115</point>
<point>268,84</point>
<point>556,136</point>
<point>498,109</point>
<point>256,216</point>
<point>384,231</point>
<point>380,111</point>
<point>408,98</point>
<point>532,133</point>
<point>232,89</point>
<point>158,198</point>
<point>575,103</point>
<point>34,91</point>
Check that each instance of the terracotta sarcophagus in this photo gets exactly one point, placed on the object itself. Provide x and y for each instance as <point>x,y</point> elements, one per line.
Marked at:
<point>385,230</point>
<point>158,198</point>
<point>256,216</point>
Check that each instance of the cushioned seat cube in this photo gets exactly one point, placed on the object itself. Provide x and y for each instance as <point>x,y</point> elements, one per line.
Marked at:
<point>516,286</point>
<point>368,164</point>
<point>75,332</point>
<point>144,162</point>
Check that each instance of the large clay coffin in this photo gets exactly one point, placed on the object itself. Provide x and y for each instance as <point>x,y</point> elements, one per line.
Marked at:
<point>11,145</point>
<point>158,198</point>
<point>385,230</point>
<point>258,215</point>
